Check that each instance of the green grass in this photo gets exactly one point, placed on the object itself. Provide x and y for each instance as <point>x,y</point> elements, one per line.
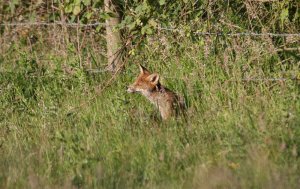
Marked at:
<point>58,131</point>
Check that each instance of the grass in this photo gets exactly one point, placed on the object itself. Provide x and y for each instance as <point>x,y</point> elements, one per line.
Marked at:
<point>57,130</point>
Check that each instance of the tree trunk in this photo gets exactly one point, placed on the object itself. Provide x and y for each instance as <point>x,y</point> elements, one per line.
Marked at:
<point>113,37</point>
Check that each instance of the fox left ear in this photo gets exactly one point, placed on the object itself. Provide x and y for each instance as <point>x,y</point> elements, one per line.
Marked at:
<point>143,70</point>
<point>154,78</point>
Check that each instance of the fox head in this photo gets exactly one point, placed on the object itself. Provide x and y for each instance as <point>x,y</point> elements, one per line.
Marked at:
<point>145,82</point>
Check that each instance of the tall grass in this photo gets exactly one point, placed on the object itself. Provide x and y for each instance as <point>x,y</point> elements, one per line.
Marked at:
<point>58,129</point>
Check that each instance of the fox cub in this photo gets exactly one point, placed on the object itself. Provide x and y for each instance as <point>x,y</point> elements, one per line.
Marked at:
<point>168,103</point>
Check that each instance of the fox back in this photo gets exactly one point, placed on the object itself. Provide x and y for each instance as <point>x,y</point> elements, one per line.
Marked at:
<point>168,103</point>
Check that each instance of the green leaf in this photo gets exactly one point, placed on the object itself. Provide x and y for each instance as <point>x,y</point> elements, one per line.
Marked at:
<point>12,5</point>
<point>138,22</point>
<point>68,8</point>
<point>88,15</point>
<point>86,2</point>
<point>132,52</point>
<point>152,23</point>
<point>162,2</point>
<point>98,28</point>
<point>127,20</point>
<point>284,14</point>
<point>77,2</point>
<point>139,9</point>
<point>131,26</point>
<point>105,16</point>
<point>147,30</point>
<point>76,10</point>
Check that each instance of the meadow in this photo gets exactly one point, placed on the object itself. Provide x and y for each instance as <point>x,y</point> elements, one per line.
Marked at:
<point>66,121</point>
<point>65,126</point>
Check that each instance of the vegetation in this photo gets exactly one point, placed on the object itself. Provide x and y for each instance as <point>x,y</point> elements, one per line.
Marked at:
<point>67,123</point>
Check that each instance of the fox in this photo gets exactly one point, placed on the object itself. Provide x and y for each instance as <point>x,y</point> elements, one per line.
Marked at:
<point>148,84</point>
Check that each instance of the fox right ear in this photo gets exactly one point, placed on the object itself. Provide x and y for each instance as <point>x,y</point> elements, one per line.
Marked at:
<point>143,69</point>
<point>154,78</point>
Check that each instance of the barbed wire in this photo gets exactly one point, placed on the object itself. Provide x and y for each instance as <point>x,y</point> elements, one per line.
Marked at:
<point>52,24</point>
<point>165,29</point>
<point>159,28</point>
<point>247,79</point>
<point>294,78</point>
<point>234,34</point>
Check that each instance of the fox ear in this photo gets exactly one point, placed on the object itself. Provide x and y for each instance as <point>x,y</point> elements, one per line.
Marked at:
<point>143,69</point>
<point>154,78</point>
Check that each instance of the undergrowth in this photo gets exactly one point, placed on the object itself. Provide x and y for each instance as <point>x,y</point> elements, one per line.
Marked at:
<point>60,129</point>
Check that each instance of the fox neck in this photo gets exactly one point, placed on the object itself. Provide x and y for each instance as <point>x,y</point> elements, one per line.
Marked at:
<point>162,98</point>
<point>157,96</point>
<point>153,95</point>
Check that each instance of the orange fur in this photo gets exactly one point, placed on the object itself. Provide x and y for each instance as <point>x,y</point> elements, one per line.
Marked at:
<point>164,99</point>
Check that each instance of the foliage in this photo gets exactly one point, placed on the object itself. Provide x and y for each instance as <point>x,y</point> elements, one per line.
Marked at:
<point>241,134</point>
<point>64,126</point>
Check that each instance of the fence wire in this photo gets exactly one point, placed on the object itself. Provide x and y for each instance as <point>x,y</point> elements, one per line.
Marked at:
<point>52,24</point>
<point>159,28</point>
<point>76,25</point>
<point>234,34</point>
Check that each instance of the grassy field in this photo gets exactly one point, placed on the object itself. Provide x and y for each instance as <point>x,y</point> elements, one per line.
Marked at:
<point>59,128</point>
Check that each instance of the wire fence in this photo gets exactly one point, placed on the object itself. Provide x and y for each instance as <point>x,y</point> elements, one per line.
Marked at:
<point>234,34</point>
<point>248,33</point>
<point>292,78</point>
<point>52,24</point>
<point>94,71</point>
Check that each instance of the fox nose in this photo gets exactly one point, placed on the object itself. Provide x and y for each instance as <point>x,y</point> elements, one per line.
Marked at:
<point>130,90</point>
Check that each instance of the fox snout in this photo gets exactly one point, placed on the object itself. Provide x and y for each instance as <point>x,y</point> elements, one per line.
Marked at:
<point>130,89</point>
